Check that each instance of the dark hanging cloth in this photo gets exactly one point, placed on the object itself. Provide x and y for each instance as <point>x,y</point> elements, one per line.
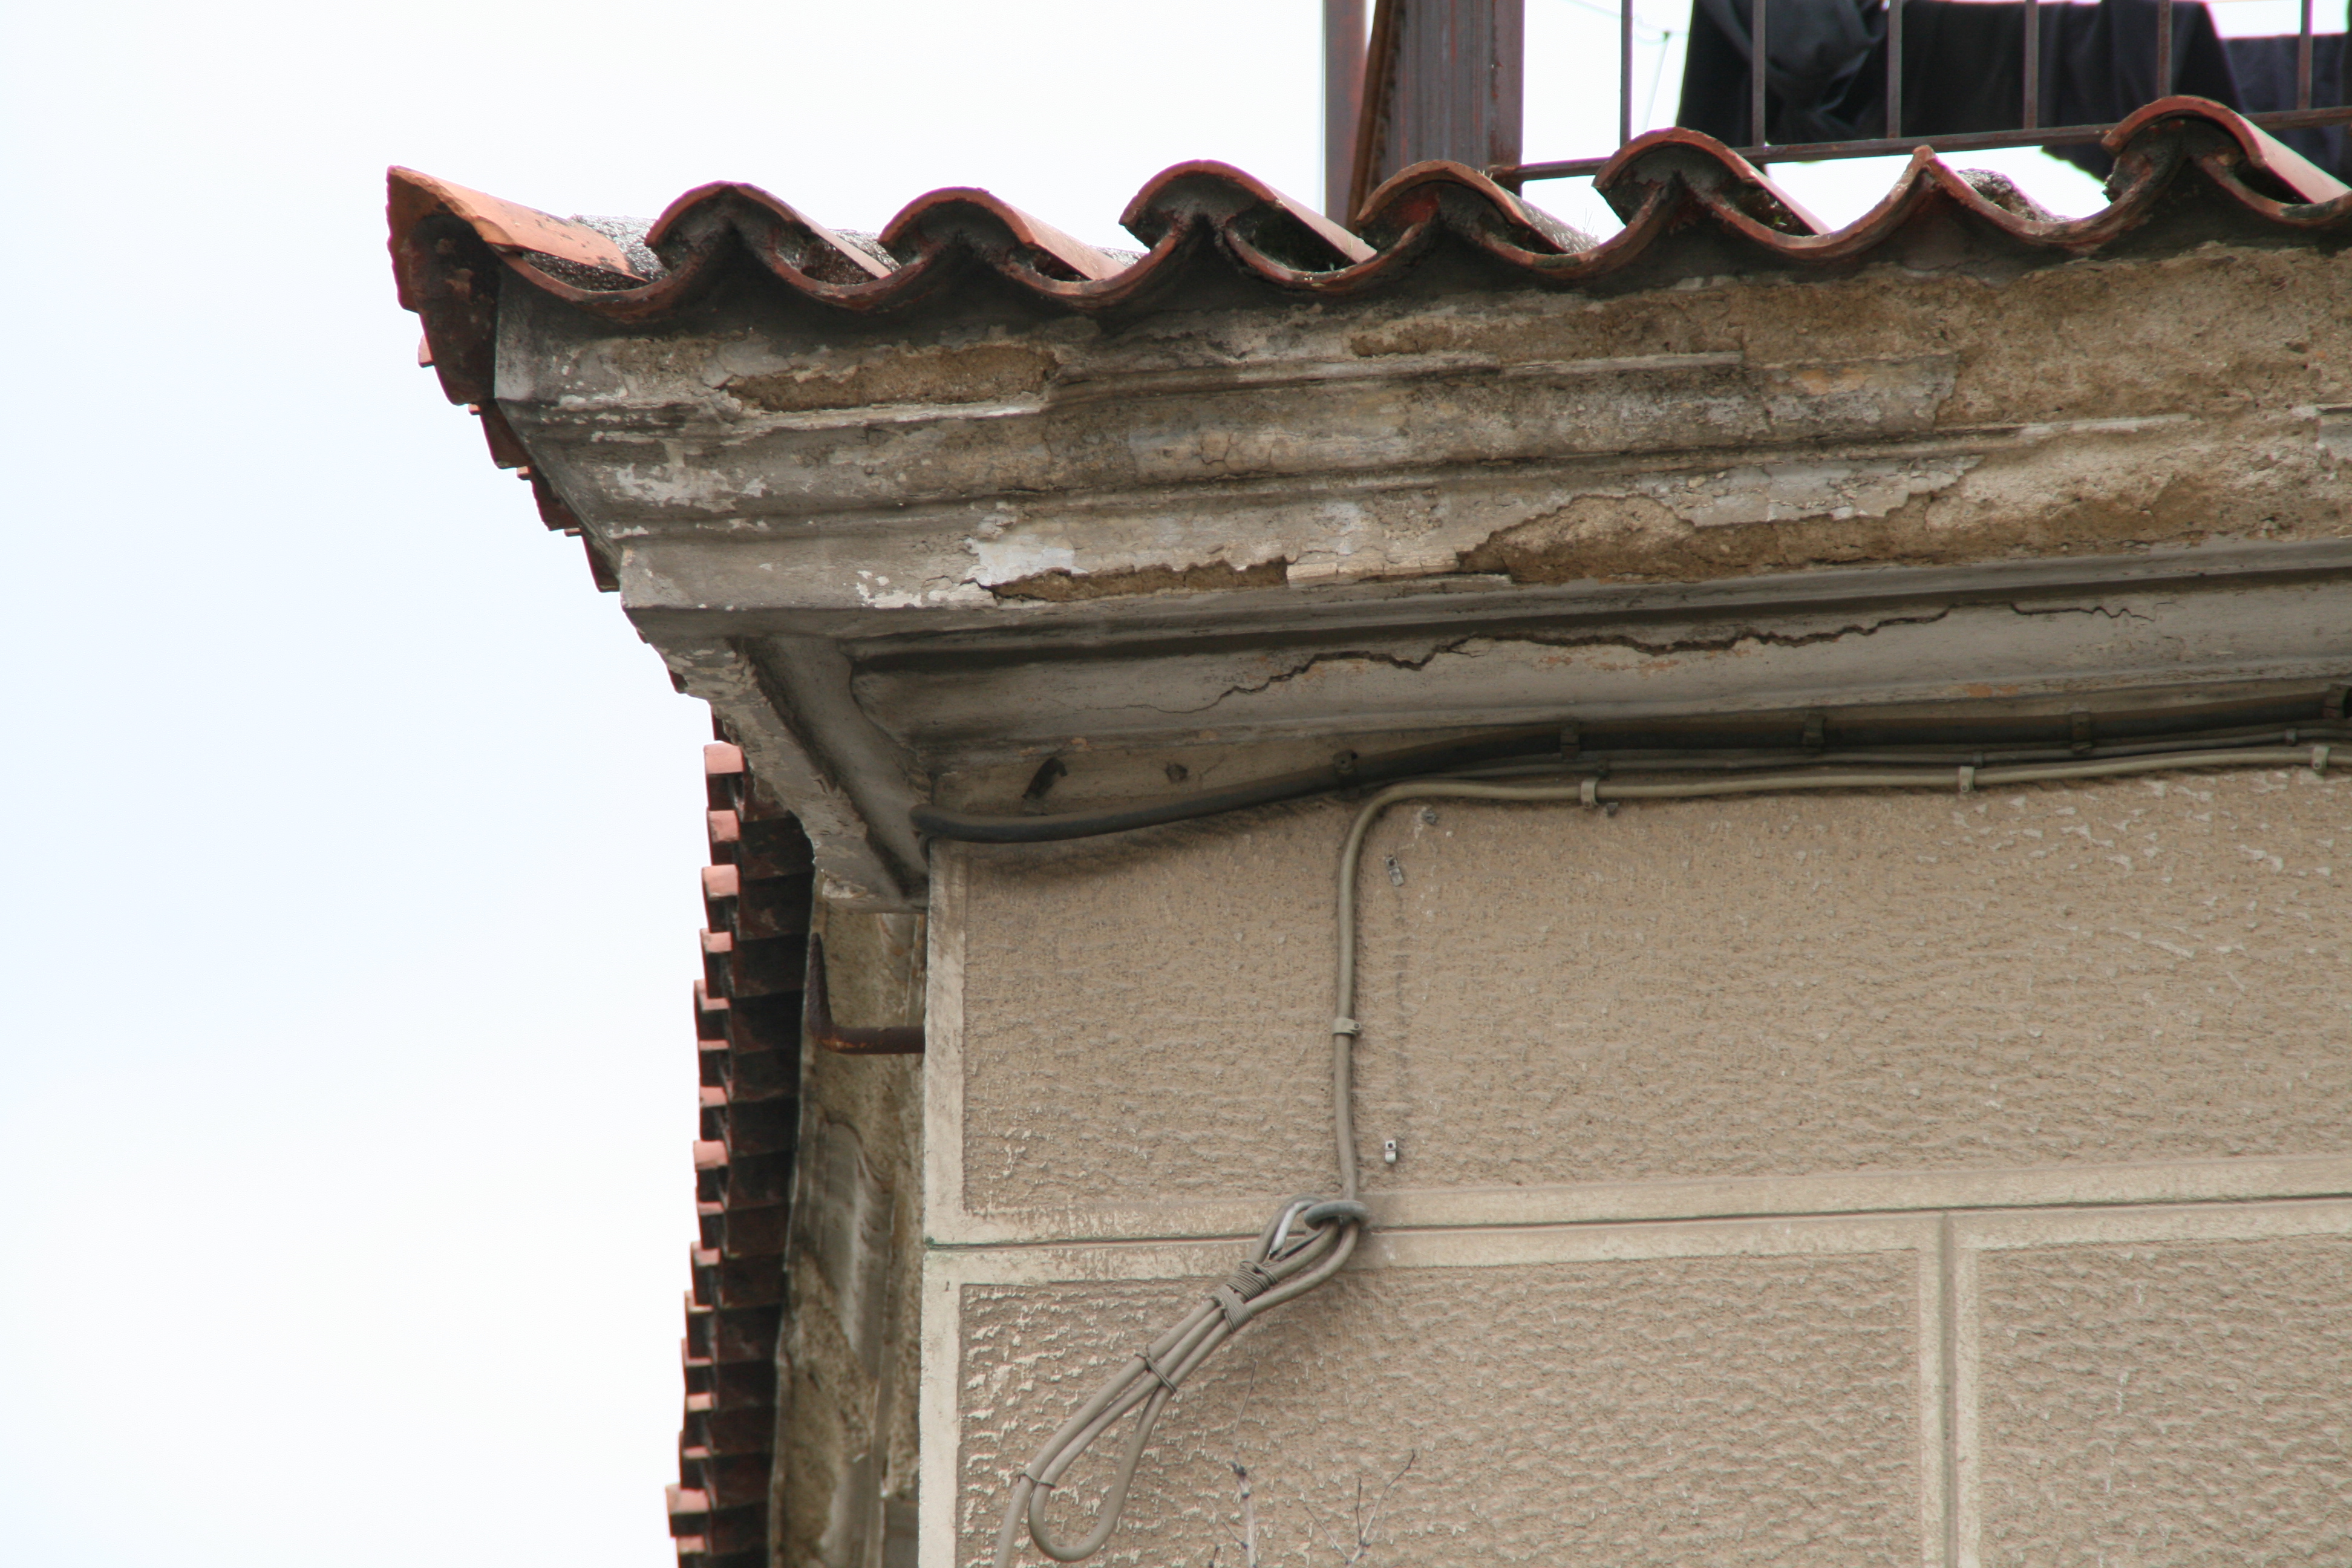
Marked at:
<point>1819,82</point>
<point>2265,71</point>
<point>1963,67</point>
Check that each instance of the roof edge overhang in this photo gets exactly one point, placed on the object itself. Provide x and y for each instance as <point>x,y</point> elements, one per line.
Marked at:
<point>807,566</point>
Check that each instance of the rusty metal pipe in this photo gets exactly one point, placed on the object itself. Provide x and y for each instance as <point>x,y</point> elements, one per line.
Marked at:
<point>849,1040</point>
<point>1343,101</point>
<point>2163,48</point>
<point>2303,60</point>
<point>2031,119</point>
<point>1893,67</point>
<point>1757,70</point>
<point>1625,70</point>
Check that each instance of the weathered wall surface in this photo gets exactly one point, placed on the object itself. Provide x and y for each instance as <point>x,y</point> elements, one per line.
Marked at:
<point>945,542</point>
<point>1744,425</point>
<point>1870,1178</point>
<point>846,1433</point>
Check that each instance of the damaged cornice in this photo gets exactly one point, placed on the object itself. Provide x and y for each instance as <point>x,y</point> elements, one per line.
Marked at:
<point>1010,497</point>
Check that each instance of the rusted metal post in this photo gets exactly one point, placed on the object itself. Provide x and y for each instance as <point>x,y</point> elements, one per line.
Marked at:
<point>1625,68</point>
<point>1756,69</point>
<point>1343,101</point>
<point>2303,60</point>
<point>1893,67</point>
<point>1444,78</point>
<point>2033,113</point>
<point>1505,79</point>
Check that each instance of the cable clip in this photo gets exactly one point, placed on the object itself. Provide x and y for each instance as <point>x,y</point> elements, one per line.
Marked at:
<point>1346,1026</point>
<point>1592,793</point>
<point>2319,760</point>
<point>1152,1366</point>
<point>1245,1284</point>
<point>1968,780</point>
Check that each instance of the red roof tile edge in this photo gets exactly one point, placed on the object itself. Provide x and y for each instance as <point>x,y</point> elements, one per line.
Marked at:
<point>758,894</point>
<point>1668,182</point>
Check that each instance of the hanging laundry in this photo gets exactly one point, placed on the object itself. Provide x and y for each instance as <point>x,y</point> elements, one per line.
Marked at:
<point>1963,67</point>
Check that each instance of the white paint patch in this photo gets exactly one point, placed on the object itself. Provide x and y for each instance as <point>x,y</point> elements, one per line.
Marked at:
<point>1784,492</point>
<point>1010,557</point>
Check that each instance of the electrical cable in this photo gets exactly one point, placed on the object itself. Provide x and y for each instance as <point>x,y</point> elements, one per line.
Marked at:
<point>1665,744</point>
<point>1282,1266</point>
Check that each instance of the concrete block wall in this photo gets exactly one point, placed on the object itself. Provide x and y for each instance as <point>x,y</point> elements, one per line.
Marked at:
<point>1875,1178</point>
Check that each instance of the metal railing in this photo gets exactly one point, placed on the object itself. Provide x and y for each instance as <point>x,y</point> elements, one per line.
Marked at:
<point>2030,132</point>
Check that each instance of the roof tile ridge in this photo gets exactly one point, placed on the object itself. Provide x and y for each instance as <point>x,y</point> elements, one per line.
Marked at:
<point>1720,179</point>
<point>2257,170</point>
<point>1240,207</point>
<point>787,240</point>
<point>1927,183</point>
<point>508,227</point>
<point>2271,158</point>
<point>1468,203</point>
<point>1012,240</point>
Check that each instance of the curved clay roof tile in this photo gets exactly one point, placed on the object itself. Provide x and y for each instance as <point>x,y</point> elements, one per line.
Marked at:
<point>1220,196</point>
<point>996,231</point>
<point>2184,168</point>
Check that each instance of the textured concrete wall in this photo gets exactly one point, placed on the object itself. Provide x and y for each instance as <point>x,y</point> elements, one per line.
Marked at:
<point>1772,987</point>
<point>2173,1401</point>
<point>2038,1047</point>
<point>1733,1411</point>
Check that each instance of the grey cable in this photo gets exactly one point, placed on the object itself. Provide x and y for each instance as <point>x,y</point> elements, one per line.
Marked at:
<point>1283,1266</point>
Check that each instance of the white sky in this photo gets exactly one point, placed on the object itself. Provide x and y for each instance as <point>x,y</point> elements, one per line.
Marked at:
<point>346,1075</point>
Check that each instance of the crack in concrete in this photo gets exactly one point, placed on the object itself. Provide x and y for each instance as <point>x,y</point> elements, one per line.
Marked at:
<point>2116,613</point>
<point>1370,656</point>
<point>1718,642</point>
<point>1686,641</point>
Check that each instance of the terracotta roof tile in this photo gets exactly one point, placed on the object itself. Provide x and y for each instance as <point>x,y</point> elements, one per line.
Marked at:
<point>2188,170</point>
<point>749,1101</point>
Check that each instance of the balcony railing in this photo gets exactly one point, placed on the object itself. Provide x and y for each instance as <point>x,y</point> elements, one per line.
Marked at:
<point>2029,131</point>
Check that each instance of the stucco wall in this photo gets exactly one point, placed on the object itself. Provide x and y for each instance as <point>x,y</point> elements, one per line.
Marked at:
<point>1835,1179</point>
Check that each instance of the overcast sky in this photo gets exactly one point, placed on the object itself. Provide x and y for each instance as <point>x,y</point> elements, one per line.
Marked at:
<point>346,1074</point>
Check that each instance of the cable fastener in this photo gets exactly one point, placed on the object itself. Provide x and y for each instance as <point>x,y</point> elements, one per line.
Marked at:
<point>1153,1367</point>
<point>2319,760</point>
<point>1592,793</point>
<point>1346,1026</point>
<point>1968,780</point>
